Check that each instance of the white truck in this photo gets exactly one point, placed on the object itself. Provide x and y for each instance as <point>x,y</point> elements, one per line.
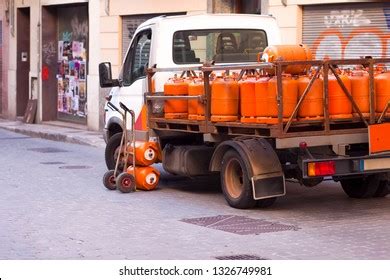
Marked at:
<point>253,159</point>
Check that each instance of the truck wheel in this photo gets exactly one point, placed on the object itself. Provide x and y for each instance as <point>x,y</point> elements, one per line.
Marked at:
<point>236,185</point>
<point>383,190</point>
<point>361,187</point>
<point>112,150</point>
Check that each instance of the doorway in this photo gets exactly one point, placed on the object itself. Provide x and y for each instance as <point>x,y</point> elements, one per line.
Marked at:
<point>23,60</point>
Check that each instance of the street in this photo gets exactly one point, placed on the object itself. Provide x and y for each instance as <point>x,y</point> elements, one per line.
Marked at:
<point>53,206</point>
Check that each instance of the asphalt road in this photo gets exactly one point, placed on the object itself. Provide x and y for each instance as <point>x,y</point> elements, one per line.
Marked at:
<point>53,206</point>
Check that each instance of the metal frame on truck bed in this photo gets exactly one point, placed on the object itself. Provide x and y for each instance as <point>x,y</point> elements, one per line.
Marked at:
<point>281,130</point>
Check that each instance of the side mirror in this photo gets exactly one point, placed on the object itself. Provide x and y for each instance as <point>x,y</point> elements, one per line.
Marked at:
<point>105,76</point>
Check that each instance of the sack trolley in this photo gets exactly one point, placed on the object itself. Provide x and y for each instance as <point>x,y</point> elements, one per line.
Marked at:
<point>119,178</point>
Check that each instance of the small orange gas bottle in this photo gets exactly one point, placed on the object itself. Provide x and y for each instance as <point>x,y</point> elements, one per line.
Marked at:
<point>224,99</point>
<point>312,106</point>
<point>339,105</point>
<point>146,153</point>
<point>360,91</point>
<point>290,97</point>
<point>196,87</point>
<point>261,95</point>
<point>248,99</point>
<point>146,177</point>
<point>176,109</point>
<point>382,92</point>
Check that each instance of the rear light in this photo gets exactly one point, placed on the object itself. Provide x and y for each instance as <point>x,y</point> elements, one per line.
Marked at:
<point>108,97</point>
<point>321,168</point>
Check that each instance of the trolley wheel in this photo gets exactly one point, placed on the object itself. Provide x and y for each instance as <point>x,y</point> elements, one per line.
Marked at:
<point>361,187</point>
<point>109,179</point>
<point>383,189</point>
<point>236,185</point>
<point>125,182</point>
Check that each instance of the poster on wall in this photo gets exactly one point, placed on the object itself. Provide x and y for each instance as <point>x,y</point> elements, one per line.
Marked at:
<point>71,77</point>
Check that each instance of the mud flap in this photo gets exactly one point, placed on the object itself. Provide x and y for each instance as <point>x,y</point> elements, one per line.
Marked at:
<point>268,185</point>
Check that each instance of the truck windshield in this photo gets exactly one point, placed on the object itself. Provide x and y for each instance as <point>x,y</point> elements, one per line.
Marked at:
<point>220,45</point>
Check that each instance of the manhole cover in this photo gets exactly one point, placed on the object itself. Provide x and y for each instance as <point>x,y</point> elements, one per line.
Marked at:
<point>52,162</point>
<point>75,167</point>
<point>47,150</point>
<point>240,257</point>
<point>14,138</point>
<point>239,224</point>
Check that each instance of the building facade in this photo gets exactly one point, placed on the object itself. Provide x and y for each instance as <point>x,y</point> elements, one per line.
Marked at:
<point>50,49</point>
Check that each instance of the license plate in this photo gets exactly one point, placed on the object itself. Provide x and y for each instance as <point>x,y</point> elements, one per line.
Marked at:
<point>376,164</point>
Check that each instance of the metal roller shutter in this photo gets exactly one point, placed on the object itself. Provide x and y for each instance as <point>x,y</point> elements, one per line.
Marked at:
<point>130,24</point>
<point>351,30</point>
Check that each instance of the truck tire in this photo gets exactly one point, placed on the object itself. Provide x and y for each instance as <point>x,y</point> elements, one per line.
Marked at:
<point>111,148</point>
<point>361,187</point>
<point>383,189</point>
<point>236,185</point>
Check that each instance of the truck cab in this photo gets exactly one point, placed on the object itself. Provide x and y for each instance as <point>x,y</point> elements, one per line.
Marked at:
<point>179,41</point>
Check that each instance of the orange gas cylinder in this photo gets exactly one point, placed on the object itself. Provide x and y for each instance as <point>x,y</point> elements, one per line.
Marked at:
<point>146,153</point>
<point>339,105</point>
<point>248,99</point>
<point>176,109</point>
<point>290,97</point>
<point>261,95</point>
<point>312,106</point>
<point>288,53</point>
<point>146,177</point>
<point>196,87</point>
<point>382,92</point>
<point>360,90</point>
<point>224,99</point>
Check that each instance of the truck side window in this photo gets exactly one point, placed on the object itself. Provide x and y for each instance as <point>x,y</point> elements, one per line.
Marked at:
<point>137,59</point>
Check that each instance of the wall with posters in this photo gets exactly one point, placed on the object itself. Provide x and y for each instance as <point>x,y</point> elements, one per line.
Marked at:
<point>72,51</point>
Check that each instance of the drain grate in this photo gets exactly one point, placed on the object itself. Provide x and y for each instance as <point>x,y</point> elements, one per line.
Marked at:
<point>47,150</point>
<point>240,257</point>
<point>14,138</point>
<point>75,167</point>
<point>239,224</point>
<point>52,162</point>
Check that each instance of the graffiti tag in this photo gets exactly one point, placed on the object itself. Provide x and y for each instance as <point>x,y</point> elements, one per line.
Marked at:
<point>49,52</point>
<point>345,18</point>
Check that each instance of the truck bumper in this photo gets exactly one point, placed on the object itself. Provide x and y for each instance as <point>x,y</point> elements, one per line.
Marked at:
<point>345,166</point>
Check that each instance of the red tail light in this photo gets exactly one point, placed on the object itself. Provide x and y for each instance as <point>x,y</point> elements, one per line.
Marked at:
<point>322,168</point>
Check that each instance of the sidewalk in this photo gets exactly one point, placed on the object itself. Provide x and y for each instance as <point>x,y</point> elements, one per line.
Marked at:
<point>53,131</point>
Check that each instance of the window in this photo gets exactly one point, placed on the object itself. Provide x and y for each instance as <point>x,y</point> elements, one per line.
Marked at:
<point>137,59</point>
<point>222,45</point>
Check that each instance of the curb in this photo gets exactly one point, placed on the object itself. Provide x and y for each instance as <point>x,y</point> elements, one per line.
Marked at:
<point>54,136</point>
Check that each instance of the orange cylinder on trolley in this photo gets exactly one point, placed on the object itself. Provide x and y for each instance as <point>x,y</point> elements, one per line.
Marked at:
<point>312,107</point>
<point>146,153</point>
<point>288,53</point>
<point>290,97</point>
<point>196,87</point>
<point>261,95</point>
<point>176,109</point>
<point>339,105</point>
<point>146,177</point>
<point>360,90</point>
<point>224,99</point>
<point>382,92</point>
<point>248,99</point>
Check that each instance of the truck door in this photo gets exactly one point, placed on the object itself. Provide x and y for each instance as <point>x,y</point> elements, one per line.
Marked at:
<point>133,76</point>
